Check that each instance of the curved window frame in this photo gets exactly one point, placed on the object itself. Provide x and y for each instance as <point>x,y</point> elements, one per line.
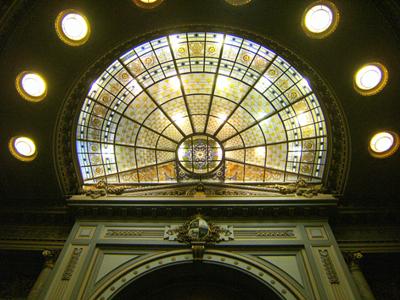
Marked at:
<point>245,64</point>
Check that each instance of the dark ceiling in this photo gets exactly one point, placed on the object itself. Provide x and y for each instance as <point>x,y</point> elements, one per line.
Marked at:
<point>367,32</point>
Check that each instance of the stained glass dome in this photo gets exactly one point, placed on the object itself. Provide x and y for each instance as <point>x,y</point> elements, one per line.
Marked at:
<point>203,104</point>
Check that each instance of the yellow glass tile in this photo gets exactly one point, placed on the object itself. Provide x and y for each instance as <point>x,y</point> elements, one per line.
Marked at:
<point>145,157</point>
<point>276,156</point>
<point>273,129</point>
<point>236,155</point>
<point>256,156</point>
<point>140,108</point>
<point>198,104</point>
<point>147,138</point>
<point>148,174</point>
<point>234,172</point>
<point>253,136</point>
<point>235,142</point>
<point>129,177</point>
<point>165,90</point>
<point>199,122</point>
<point>167,173</point>
<point>253,173</point>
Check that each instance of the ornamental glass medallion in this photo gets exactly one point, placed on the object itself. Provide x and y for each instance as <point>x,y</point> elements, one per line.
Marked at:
<point>200,154</point>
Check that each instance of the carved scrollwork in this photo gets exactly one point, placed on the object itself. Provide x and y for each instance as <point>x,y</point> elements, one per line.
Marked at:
<point>102,189</point>
<point>199,230</point>
<point>300,188</point>
<point>328,266</point>
<point>198,233</point>
<point>73,261</point>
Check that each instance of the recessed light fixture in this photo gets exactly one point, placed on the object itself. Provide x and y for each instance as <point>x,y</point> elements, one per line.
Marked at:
<point>72,27</point>
<point>31,86</point>
<point>320,19</point>
<point>383,144</point>
<point>147,3</point>
<point>370,79</point>
<point>22,148</point>
<point>237,2</point>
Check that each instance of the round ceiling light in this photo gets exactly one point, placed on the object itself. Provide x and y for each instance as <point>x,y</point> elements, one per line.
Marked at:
<point>147,3</point>
<point>23,148</point>
<point>237,2</point>
<point>72,27</point>
<point>31,86</point>
<point>383,144</point>
<point>320,19</point>
<point>370,79</point>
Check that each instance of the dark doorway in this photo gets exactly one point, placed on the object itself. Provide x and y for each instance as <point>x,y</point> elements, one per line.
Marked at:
<point>197,281</point>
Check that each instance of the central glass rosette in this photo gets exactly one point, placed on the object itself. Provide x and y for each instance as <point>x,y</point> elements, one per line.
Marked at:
<point>200,154</point>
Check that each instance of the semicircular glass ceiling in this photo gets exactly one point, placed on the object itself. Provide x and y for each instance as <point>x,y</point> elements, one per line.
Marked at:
<point>175,90</point>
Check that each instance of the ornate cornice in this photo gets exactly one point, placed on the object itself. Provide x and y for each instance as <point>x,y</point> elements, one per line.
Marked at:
<point>201,190</point>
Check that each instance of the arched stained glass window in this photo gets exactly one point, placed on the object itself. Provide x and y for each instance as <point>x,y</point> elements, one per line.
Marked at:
<point>237,107</point>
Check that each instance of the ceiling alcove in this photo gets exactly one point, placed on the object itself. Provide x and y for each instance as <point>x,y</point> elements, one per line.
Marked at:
<point>330,57</point>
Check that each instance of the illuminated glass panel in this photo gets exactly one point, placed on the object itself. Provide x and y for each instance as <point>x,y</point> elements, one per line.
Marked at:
<point>242,109</point>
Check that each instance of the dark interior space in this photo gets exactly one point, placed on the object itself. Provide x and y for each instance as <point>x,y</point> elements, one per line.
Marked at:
<point>196,281</point>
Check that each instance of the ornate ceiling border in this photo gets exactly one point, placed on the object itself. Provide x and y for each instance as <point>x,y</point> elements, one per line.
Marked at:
<point>339,138</point>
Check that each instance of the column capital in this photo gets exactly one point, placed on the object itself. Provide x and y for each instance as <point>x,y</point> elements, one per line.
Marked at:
<point>353,258</point>
<point>50,257</point>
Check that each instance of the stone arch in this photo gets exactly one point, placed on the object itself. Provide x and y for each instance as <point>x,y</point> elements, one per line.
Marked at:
<point>131,271</point>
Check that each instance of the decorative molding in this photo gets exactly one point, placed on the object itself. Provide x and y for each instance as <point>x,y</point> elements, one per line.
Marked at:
<point>123,233</point>
<point>300,188</point>
<point>209,189</point>
<point>276,233</point>
<point>34,233</point>
<point>316,233</point>
<point>328,266</point>
<point>69,270</point>
<point>185,208</point>
<point>101,189</point>
<point>282,285</point>
<point>134,232</point>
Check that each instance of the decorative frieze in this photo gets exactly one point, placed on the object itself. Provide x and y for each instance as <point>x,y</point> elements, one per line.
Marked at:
<point>276,233</point>
<point>73,261</point>
<point>328,266</point>
<point>123,233</point>
<point>134,232</point>
<point>257,234</point>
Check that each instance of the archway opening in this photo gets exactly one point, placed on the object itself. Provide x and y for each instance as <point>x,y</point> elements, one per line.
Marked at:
<point>197,281</point>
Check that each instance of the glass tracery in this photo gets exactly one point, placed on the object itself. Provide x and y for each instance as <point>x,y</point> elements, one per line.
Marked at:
<point>250,101</point>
